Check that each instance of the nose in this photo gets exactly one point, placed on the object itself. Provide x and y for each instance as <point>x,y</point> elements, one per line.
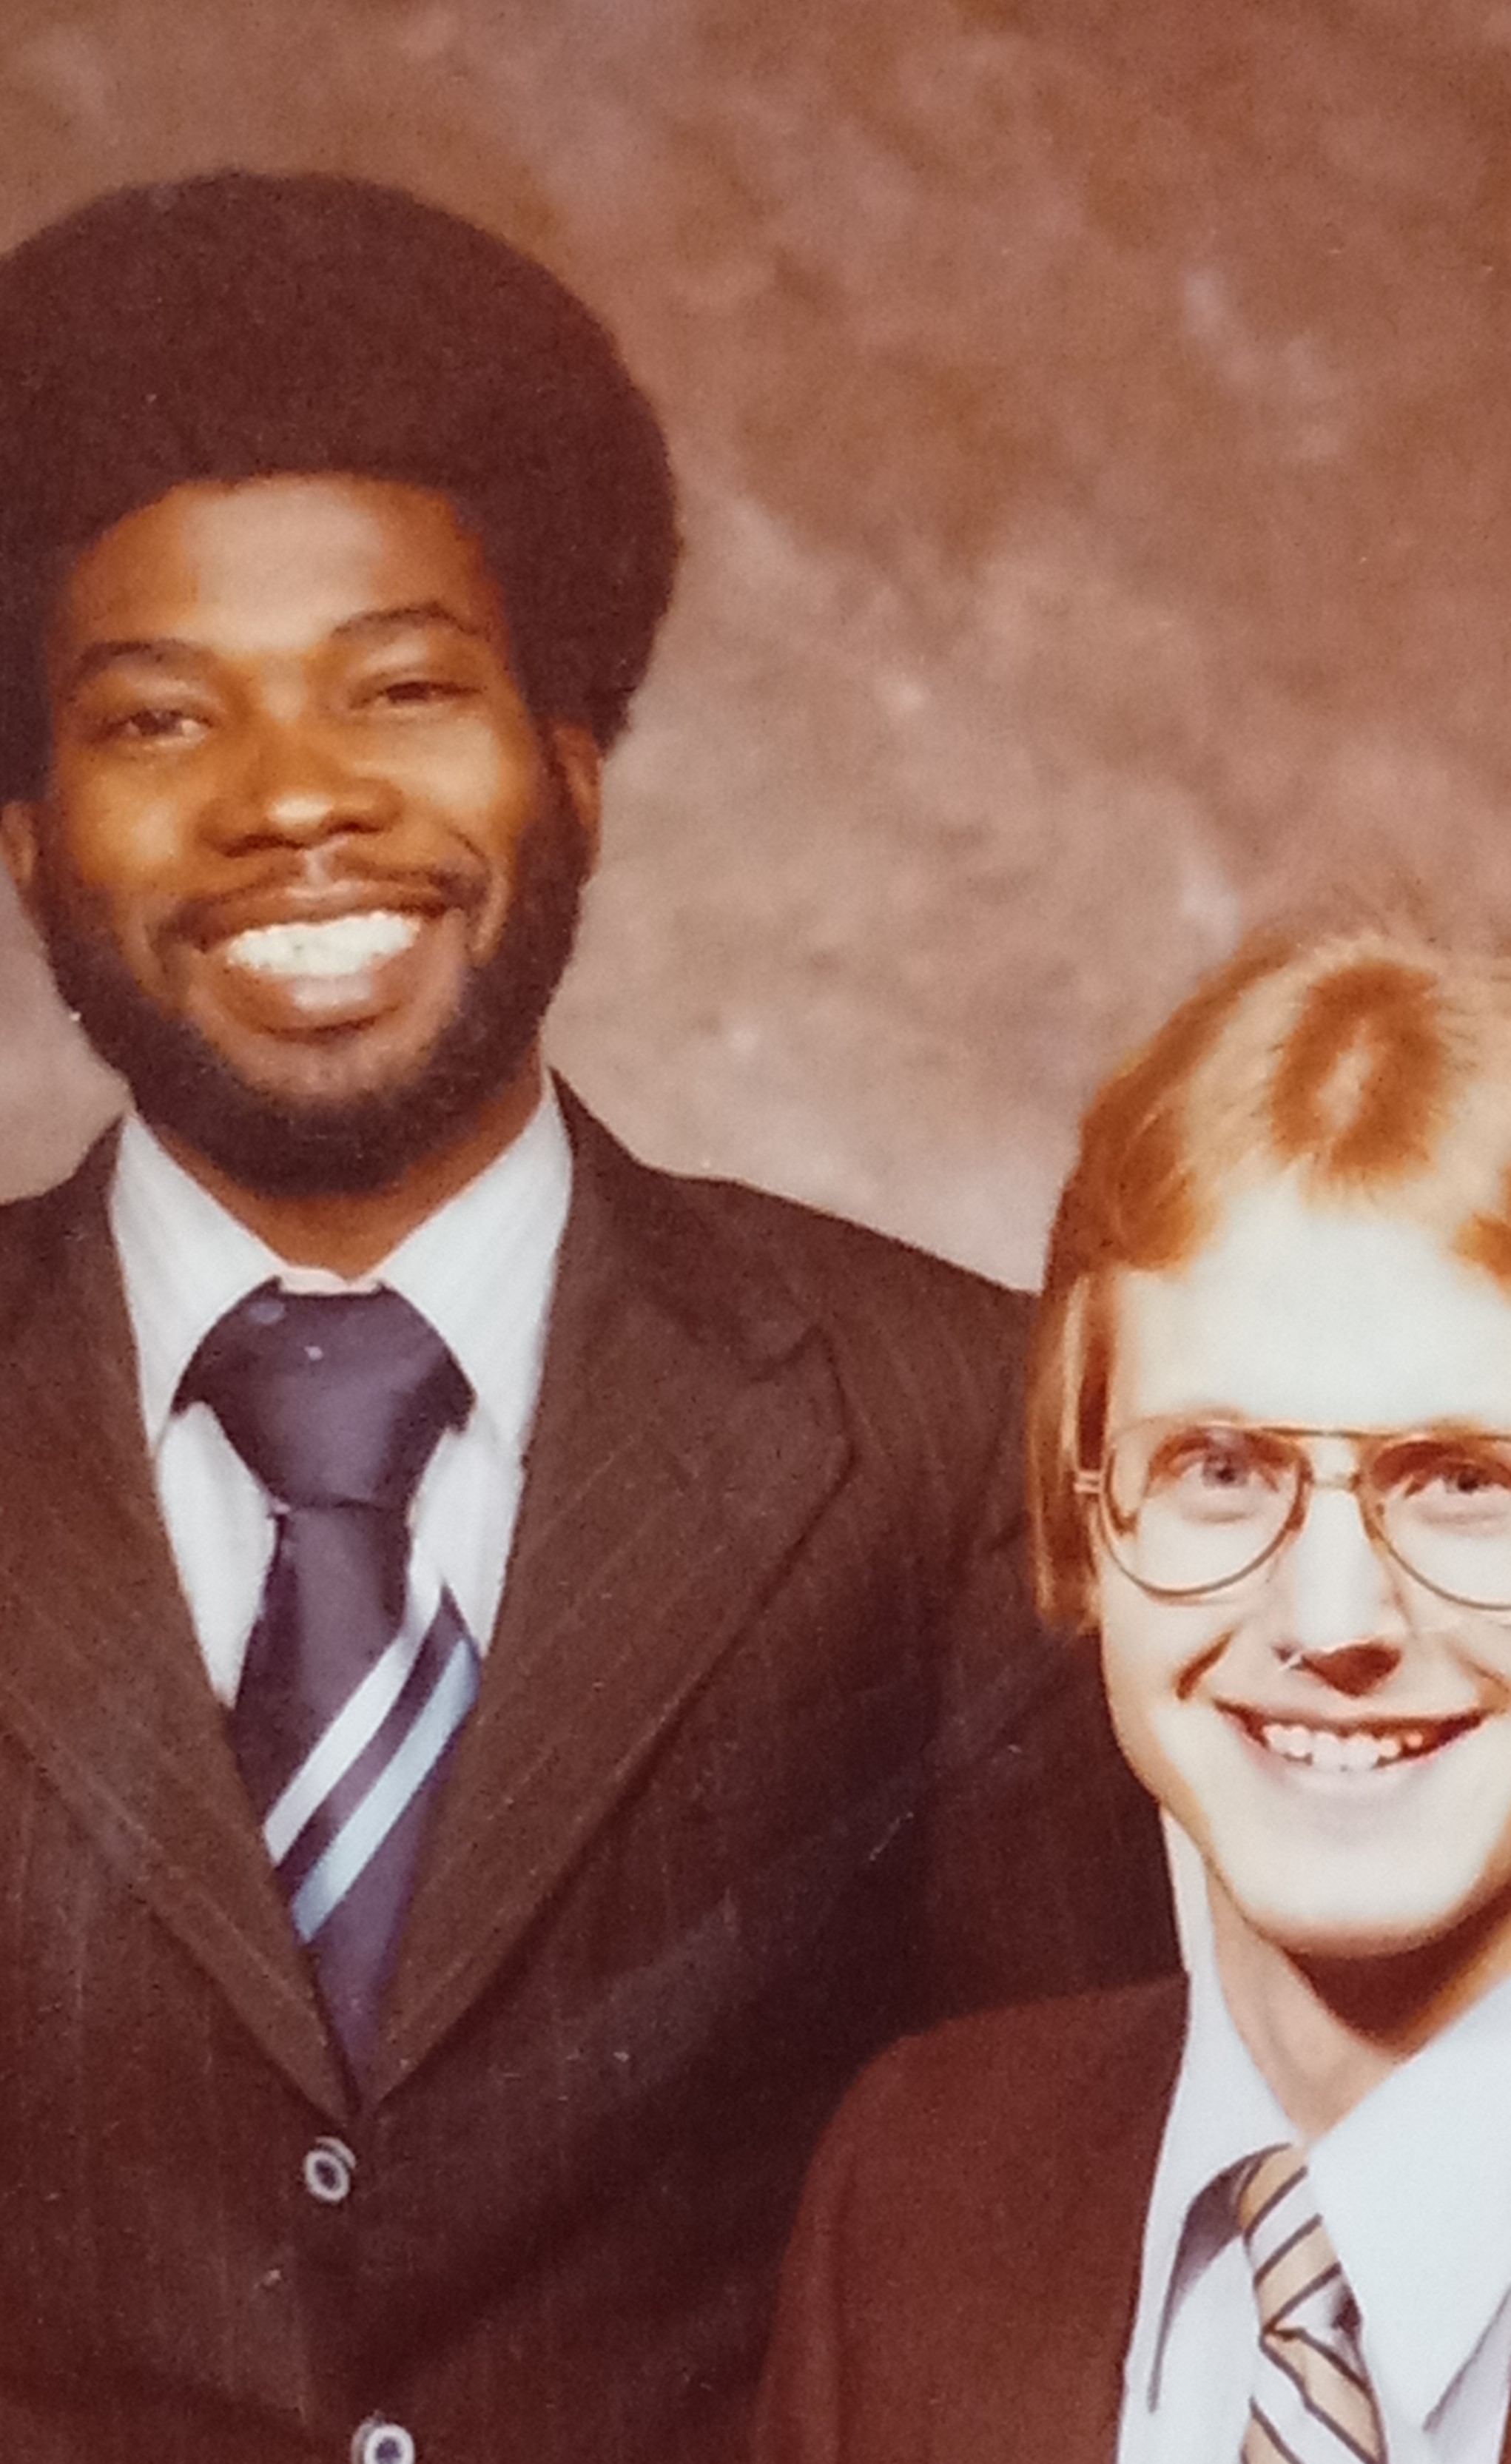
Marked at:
<point>298,785</point>
<point>1353,1668</point>
<point>1340,1612</point>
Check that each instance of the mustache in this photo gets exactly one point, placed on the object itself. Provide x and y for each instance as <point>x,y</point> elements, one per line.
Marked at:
<point>297,891</point>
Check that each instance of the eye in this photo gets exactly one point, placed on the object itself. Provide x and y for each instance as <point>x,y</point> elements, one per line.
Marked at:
<point>417,692</point>
<point>151,723</point>
<point>1464,1482</point>
<point>1217,1472</point>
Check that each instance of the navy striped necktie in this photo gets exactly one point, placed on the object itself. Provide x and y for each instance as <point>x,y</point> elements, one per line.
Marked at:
<point>359,1671</point>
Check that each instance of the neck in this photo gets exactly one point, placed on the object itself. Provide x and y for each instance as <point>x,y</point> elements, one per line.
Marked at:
<point>1326,2031</point>
<point>349,1233</point>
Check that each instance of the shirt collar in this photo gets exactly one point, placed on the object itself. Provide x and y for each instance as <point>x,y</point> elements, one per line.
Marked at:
<point>480,1270</point>
<point>1414,2184</point>
<point>1222,2112</point>
<point>1415,2188</point>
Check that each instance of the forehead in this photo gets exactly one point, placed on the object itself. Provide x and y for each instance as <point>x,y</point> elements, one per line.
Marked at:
<point>1332,1315</point>
<point>273,564</point>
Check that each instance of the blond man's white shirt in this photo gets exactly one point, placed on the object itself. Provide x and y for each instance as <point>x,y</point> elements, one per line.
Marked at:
<point>1414,2188</point>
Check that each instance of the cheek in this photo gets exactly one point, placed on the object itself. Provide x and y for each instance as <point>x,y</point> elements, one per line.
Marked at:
<point>473,803</point>
<point>485,781</point>
<point>114,843</point>
<point>1151,1653</point>
<point>1134,1668</point>
<point>1130,1675</point>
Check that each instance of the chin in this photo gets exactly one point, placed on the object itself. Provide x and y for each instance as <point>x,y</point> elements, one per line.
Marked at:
<point>1320,1929</point>
<point>1335,1935</point>
<point>277,1149</point>
<point>346,1143</point>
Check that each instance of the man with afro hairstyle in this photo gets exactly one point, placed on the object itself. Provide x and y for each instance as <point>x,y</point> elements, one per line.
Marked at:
<point>515,1677</point>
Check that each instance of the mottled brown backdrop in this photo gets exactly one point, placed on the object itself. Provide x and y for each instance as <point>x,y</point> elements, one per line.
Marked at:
<point>1095,428</point>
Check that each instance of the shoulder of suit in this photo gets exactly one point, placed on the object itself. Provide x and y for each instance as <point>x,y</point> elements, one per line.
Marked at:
<point>822,1258</point>
<point>967,2181</point>
<point>979,2089</point>
<point>833,1246</point>
<point>37,1232</point>
<point>929,1357</point>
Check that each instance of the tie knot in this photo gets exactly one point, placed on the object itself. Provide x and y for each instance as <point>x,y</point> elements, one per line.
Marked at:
<point>1291,2256</point>
<point>1312,2401</point>
<point>331,1399</point>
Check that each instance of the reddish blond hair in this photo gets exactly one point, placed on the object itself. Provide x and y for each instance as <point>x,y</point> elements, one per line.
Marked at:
<point>1375,1069</point>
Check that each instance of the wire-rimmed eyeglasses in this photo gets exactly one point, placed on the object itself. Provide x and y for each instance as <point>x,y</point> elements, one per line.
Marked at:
<point>1190,1508</point>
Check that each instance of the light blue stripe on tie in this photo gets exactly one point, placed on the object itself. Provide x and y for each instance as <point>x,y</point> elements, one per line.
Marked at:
<point>355,1725</point>
<point>366,1829</point>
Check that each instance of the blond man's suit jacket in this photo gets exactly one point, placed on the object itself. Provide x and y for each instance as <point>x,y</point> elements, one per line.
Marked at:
<point>962,2283</point>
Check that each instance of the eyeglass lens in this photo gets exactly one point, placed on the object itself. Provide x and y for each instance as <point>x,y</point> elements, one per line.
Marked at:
<point>1191,1507</point>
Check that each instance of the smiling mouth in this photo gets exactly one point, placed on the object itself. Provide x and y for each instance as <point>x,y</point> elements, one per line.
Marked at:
<point>329,947</point>
<point>1353,1749</point>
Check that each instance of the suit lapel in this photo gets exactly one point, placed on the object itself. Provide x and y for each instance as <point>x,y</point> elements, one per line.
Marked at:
<point>1106,2281</point>
<point>690,1431</point>
<point>1066,2389</point>
<point>101,1679</point>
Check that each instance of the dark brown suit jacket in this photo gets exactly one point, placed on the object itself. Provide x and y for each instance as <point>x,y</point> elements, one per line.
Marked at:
<point>962,2283</point>
<point>768,1765</point>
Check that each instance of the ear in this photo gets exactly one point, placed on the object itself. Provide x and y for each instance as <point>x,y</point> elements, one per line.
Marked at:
<point>20,826</point>
<point>581,767</point>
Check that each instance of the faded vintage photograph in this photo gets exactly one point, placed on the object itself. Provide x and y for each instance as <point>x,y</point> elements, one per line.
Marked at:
<point>755,1232</point>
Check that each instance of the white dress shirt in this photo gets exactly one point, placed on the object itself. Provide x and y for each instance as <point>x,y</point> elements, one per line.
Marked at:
<point>482,1270</point>
<point>1414,2188</point>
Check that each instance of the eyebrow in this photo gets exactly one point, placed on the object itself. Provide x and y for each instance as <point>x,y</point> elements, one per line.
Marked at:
<point>159,651</point>
<point>396,620</point>
<point>165,649</point>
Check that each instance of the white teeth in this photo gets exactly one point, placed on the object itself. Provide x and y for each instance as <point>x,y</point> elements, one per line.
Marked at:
<point>1331,1749</point>
<point>335,945</point>
<point>1295,1744</point>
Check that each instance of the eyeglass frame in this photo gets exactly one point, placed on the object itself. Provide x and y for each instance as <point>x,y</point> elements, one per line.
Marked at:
<point>1093,1483</point>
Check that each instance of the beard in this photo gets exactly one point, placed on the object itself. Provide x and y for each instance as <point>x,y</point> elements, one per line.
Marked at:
<point>347,1146</point>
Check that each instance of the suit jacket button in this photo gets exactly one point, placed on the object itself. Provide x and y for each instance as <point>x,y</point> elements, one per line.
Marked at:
<point>382,2442</point>
<point>328,2169</point>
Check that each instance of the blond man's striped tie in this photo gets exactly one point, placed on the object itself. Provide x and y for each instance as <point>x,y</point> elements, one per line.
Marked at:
<point>1312,2402</point>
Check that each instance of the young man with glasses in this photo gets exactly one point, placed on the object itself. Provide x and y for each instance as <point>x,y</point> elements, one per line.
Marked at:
<point>1269,2215</point>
